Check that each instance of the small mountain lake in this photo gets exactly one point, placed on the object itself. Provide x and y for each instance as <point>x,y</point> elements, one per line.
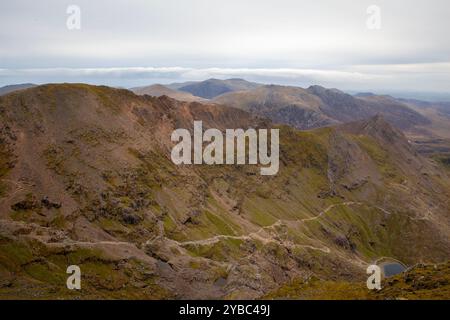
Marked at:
<point>392,268</point>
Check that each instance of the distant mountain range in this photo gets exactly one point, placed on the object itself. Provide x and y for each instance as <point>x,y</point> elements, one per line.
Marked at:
<point>158,90</point>
<point>213,87</point>
<point>302,108</point>
<point>314,107</point>
<point>15,87</point>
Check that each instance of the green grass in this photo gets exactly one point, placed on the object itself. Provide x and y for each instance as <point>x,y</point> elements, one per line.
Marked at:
<point>59,221</point>
<point>422,282</point>
<point>14,254</point>
<point>219,224</point>
<point>261,218</point>
<point>169,225</point>
<point>223,250</point>
<point>22,215</point>
<point>380,157</point>
<point>303,148</point>
<point>112,226</point>
<point>443,160</point>
<point>42,272</point>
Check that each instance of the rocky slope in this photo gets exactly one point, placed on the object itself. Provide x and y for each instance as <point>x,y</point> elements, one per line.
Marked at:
<point>213,87</point>
<point>14,87</point>
<point>86,178</point>
<point>420,282</point>
<point>158,90</point>
<point>317,106</point>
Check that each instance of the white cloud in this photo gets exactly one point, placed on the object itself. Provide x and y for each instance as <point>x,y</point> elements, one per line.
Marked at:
<point>287,41</point>
<point>380,77</point>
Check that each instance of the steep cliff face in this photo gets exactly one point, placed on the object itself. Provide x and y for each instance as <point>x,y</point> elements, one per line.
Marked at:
<point>86,178</point>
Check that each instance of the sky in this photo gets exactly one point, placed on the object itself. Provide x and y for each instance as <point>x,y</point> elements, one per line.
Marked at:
<point>342,44</point>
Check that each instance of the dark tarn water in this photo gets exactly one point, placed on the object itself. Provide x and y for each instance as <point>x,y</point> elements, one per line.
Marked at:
<point>392,268</point>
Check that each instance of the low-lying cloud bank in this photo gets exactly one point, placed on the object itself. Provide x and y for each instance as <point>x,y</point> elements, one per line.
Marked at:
<point>431,77</point>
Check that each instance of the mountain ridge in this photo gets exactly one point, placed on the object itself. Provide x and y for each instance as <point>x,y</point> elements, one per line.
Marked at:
<point>211,88</point>
<point>88,177</point>
<point>14,87</point>
<point>158,90</point>
<point>317,106</point>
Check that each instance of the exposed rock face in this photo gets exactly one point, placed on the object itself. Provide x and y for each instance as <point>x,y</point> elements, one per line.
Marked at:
<point>158,90</point>
<point>86,178</point>
<point>317,106</point>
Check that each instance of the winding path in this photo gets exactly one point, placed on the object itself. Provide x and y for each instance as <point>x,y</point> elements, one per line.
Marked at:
<point>208,241</point>
<point>256,235</point>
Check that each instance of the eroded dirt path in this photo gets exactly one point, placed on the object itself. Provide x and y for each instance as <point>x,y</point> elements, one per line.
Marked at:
<point>265,240</point>
<point>263,235</point>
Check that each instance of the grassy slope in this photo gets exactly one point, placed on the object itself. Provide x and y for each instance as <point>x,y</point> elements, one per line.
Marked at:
<point>189,204</point>
<point>419,283</point>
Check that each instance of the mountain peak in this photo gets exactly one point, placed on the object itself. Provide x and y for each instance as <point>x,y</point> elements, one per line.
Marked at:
<point>378,128</point>
<point>158,90</point>
<point>316,86</point>
<point>364,94</point>
<point>212,88</point>
<point>15,87</point>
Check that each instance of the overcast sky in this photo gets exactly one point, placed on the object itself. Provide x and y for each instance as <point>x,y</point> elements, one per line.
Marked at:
<point>138,42</point>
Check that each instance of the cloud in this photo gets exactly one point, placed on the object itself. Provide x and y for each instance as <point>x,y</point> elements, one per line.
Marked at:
<point>361,77</point>
<point>181,73</point>
<point>293,42</point>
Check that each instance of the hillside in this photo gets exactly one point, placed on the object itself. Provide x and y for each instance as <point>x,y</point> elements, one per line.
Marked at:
<point>396,112</point>
<point>421,282</point>
<point>317,106</point>
<point>14,87</point>
<point>158,90</point>
<point>289,105</point>
<point>86,178</point>
<point>431,139</point>
<point>213,87</point>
